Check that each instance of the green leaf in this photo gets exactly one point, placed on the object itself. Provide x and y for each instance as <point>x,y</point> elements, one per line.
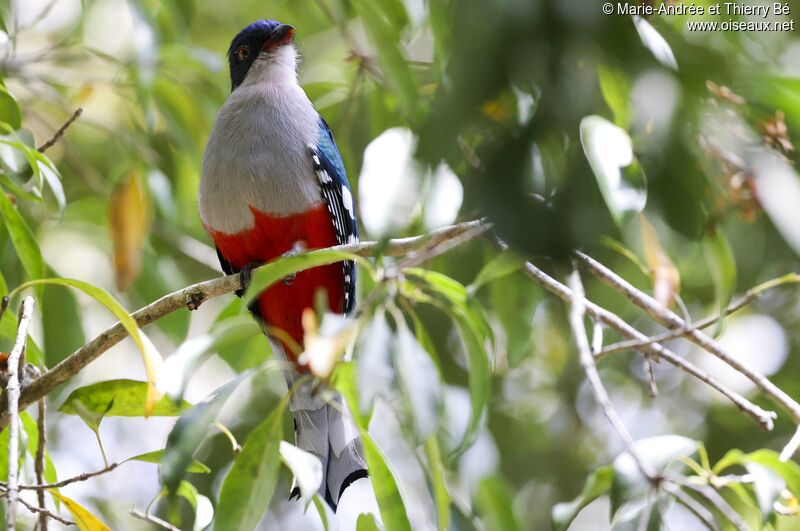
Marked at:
<point>22,238</point>
<point>723,272</point>
<point>61,323</point>
<point>249,485</point>
<point>494,501</point>
<point>128,397</point>
<point>85,520</point>
<point>393,512</point>
<point>230,333</point>
<point>498,267</point>
<point>731,458</point>
<point>9,109</point>
<point>386,39</point>
<point>188,492</point>
<point>196,467</point>
<point>31,446</point>
<point>789,471</point>
<point>92,418</point>
<point>436,471</point>
<point>475,332</point>
<point>282,267</point>
<point>246,353</point>
<point>31,441</point>
<point>597,484</point>
<point>3,455</point>
<point>322,510</point>
<point>659,453</point>
<point>189,431</point>
<point>158,276</point>
<point>420,382</point>
<point>619,176</point>
<point>366,522</point>
<point>150,357</point>
<point>344,380</point>
<point>51,176</point>
<point>616,91</point>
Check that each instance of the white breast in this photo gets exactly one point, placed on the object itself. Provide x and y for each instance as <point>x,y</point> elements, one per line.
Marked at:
<point>257,155</point>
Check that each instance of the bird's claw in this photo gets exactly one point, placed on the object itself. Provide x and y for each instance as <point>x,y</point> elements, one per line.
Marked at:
<point>245,276</point>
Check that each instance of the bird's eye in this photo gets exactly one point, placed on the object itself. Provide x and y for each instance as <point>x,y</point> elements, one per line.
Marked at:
<point>242,52</point>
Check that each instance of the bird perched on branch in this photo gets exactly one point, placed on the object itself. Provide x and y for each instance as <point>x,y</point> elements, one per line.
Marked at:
<point>272,182</point>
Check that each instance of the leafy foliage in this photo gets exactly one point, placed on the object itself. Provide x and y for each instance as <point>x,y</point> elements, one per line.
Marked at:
<point>668,154</point>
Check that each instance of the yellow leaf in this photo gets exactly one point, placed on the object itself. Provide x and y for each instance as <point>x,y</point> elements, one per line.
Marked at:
<point>85,520</point>
<point>496,111</point>
<point>129,221</point>
<point>666,278</point>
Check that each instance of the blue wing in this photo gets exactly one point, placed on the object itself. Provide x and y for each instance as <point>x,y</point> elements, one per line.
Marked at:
<point>338,197</point>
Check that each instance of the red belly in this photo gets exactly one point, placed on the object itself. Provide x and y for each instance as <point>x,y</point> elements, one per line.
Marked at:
<point>282,305</point>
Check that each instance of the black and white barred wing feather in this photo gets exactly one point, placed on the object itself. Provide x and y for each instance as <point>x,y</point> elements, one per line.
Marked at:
<point>339,199</point>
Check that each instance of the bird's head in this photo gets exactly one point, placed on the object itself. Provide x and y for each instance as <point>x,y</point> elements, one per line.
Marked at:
<point>261,51</point>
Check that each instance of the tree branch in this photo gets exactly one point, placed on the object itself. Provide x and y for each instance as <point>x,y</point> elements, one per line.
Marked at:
<point>39,463</point>
<point>60,132</point>
<point>147,517</point>
<point>43,513</point>
<point>12,393</point>
<point>69,481</point>
<point>749,296</point>
<point>576,315</point>
<point>764,418</point>
<point>671,320</point>
<point>193,296</point>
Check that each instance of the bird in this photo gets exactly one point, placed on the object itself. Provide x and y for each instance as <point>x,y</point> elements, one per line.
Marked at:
<point>272,183</point>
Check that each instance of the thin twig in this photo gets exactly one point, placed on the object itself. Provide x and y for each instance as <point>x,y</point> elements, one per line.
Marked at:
<point>147,517</point>
<point>710,493</point>
<point>671,320</point>
<point>576,316</point>
<point>12,394</point>
<point>433,248</point>
<point>44,513</point>
<point>693,505</point>
<point>748,297</point>
<point>193,296</point>
<point>74,479</point>
<point>791,447</point>
<point>764,418</point>
<point>60,132</point>
<point>39,463</point>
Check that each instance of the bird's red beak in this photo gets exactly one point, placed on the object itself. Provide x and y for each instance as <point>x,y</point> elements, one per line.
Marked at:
<point>283,34</point>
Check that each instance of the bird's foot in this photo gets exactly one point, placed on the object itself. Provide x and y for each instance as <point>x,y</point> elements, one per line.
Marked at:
<point>297,248</point>
<point>245,276</point>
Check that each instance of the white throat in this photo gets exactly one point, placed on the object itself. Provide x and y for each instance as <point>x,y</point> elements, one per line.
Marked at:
<point>278,66</point>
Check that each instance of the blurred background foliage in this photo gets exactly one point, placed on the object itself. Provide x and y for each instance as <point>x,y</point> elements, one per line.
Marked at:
<point>669,154</point>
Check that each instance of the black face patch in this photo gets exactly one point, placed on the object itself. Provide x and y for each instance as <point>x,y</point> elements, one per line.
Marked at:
<point>245,48</point>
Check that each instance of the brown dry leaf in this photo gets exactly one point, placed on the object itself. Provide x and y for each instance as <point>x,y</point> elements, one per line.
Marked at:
<point>666,278</point>
<point>776,133</point>
<point>724,93</point>
<point>128,216</point>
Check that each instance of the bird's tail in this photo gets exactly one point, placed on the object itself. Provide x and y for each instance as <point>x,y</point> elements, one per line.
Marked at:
<point>325,428</point>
